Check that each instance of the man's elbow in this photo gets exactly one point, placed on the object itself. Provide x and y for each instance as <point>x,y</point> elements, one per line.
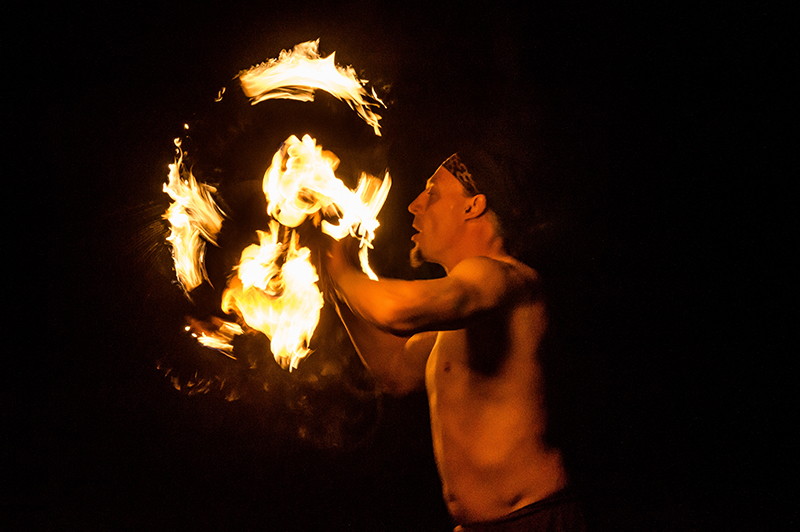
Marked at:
<point>394,318</point>
<point>397,380</point>
<point>400,387</point>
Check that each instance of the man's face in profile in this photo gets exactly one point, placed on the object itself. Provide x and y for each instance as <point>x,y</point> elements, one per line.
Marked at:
<point>438,217</point>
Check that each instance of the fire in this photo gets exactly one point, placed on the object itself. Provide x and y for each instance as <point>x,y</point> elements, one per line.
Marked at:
<point>275,287</point>
<point>194,218</point>
<point>296,74</point>
<point>275,292</point>
<point>217,335</point>
<point>302,182</point>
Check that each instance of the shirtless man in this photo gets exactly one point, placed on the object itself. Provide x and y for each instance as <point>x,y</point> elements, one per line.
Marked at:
<point>472,338</point>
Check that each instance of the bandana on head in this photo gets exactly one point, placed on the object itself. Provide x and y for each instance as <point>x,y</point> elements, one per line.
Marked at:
<point>455,166</point>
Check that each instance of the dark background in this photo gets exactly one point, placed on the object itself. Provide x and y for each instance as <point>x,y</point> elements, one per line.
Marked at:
<point>646,130</point>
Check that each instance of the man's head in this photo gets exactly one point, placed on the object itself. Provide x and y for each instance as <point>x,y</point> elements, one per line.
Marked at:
<point>451,212</point>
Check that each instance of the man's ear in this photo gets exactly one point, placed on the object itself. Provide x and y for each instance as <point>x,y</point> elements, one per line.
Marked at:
<point>476,206</point>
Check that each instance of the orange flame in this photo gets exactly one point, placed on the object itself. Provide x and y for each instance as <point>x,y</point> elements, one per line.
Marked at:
<point>275,291</point>
<point>283,302</point>
<point>301,182</point>
<point>194,219</point>
<point>218,334</point>
<point>295,75</point>
<point>275,288</point>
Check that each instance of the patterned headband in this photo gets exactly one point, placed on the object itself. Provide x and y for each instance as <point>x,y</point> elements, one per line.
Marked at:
<point>455,166</point>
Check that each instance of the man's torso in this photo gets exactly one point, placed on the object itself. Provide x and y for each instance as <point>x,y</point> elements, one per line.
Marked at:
<point>485,389</point>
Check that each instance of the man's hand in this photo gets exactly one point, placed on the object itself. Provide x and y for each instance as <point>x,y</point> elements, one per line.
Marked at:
<point>343,256</point>
<point>340,258</point>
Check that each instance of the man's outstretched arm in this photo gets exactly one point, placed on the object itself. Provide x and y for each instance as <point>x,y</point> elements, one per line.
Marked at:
<point>394,323</point>
<point>404,308</point>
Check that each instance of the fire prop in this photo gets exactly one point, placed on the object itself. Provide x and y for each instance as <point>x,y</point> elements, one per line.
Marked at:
<point>275,287</point>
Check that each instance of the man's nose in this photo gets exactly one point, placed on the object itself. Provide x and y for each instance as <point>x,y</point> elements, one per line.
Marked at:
<point>414,206</point>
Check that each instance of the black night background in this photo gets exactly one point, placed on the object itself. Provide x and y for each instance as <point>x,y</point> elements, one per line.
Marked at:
<point>647,135</point>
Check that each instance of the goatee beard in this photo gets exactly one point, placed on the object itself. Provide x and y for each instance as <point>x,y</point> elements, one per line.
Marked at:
<point>416,257</point>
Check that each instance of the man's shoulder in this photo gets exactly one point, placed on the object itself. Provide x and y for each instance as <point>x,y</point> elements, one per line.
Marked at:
<point>506,267</point>
<point>503,277</point>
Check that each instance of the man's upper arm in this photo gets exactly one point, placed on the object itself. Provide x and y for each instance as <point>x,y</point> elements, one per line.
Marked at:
<point>473,286</point>
<point>484,284</point>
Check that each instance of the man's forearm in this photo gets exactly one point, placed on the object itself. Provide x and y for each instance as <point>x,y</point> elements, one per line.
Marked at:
<point>380,351</point>
<point>398,307</point>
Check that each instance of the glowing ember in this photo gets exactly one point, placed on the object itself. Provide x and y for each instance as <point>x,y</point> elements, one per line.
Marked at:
<point>194,218</point>
<point>275,288</point>
<point>295,75</point>
<point>217,335</point>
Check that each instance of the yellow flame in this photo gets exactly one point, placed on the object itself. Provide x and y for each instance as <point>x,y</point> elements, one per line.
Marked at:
<point>297,73</point>
<point>194,219</point>
<point>301,182</point>
<point>283,302</point>
<point>360,215</point>
<point>275,287</point>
